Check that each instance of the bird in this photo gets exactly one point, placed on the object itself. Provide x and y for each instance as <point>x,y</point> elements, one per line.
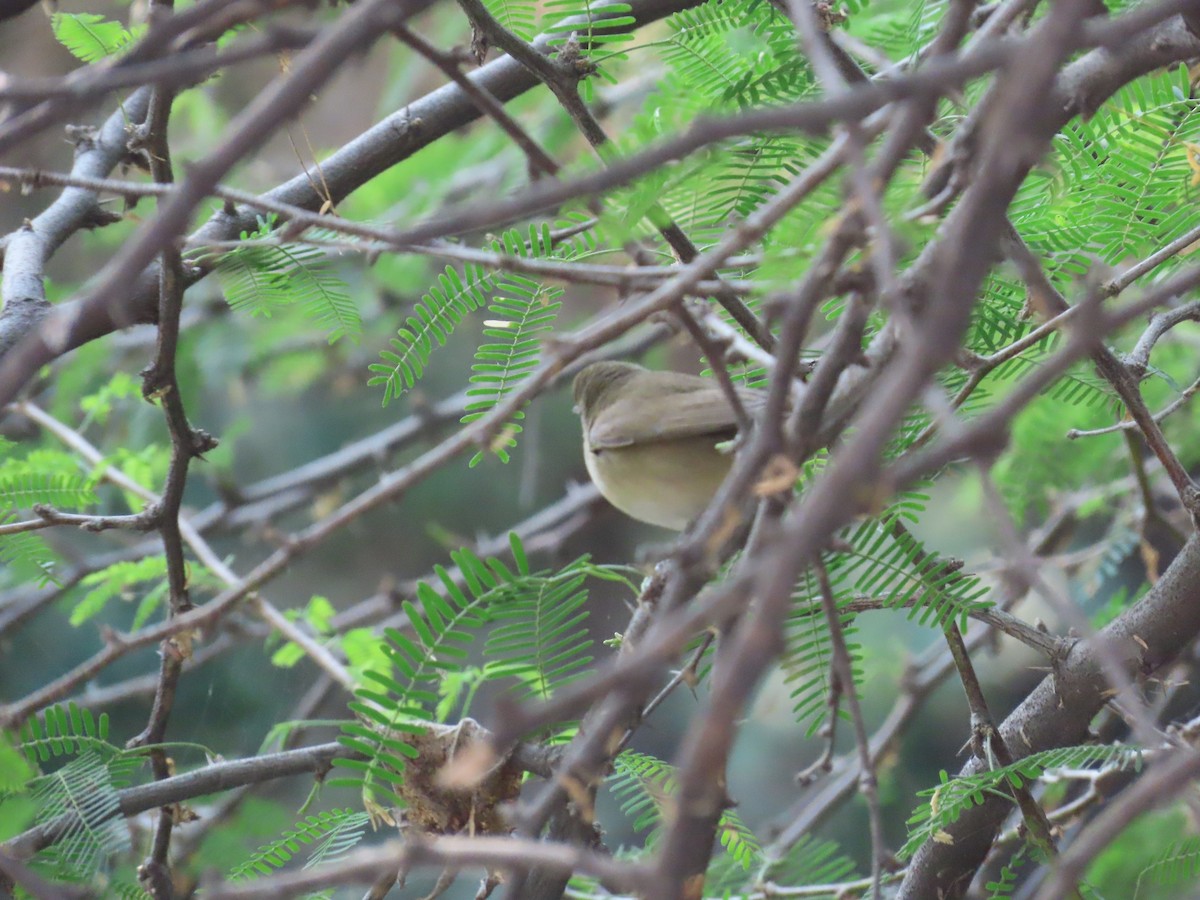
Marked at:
<point>650,438</point>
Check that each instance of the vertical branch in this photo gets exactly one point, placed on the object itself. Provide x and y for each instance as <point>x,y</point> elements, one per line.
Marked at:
<point>989,746</point>
<point>986,742</point>
<point>843,671</point>
<point>159,382</point>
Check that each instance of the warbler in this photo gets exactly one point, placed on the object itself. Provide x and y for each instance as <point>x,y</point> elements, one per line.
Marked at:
<point>650,439</point>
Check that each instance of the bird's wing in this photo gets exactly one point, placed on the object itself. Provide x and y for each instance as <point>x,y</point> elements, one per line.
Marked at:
<point>669,417</point>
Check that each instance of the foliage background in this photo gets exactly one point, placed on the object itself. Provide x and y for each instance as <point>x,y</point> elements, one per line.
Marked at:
<point>267,380</point>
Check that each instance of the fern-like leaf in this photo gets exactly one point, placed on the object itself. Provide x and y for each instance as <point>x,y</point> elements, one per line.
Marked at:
<point>518,16</point>
<point>539,641</point>
<point>90,37</point>
<point>262,279</point>
<point>115,581</point>
<point>443,627</point>
<point>456,295</point>
<point>25,556</point>
<point>644,787</point>
<point>1004,887</point>
<point>807,663</point>
<point>433,319</point>
<point>332,834</point>
<point>887,562</point>
<point>24,490</point>
<point>595,23</point>
<point>522,312</point>
<point>953,796</point>
<point>540,637</point>
<point>1178,862</point>
<point>82,795</point>
<point>811,861</point>
<point>64,731</point>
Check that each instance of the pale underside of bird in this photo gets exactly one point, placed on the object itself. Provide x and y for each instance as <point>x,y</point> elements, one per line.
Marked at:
<point>652,443</point>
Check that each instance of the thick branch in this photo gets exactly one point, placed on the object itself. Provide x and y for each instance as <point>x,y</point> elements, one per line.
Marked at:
<point>1058,712</point>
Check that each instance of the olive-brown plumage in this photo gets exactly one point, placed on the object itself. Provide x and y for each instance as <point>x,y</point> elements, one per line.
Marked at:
<point>650,439</point>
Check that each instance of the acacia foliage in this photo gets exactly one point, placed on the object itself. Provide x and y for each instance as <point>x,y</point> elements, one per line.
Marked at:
<point>964,447</point>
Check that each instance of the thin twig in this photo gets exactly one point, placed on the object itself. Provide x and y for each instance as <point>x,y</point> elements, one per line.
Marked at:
<point>843,670</point>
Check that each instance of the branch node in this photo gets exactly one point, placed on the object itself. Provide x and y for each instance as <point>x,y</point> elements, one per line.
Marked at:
<point>83,137</point>
<point>150,516</point>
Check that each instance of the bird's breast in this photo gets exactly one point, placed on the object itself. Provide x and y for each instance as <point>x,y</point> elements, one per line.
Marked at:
<point>665,483</point>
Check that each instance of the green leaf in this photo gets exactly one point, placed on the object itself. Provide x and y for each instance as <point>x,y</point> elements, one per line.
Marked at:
<point>953,796</point>
<point>518,16</point>
<point>117,580</point>
<point>264,278</point>
<point>522,312</point>
<point>90,37</point>
<point>433,319</point>
<point>23,491</point>
<point>331,835</point>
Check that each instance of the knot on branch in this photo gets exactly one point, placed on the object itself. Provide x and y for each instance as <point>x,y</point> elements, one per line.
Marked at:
<point>479,44</point>
<point>137,147</point>
<point>155,383</point>
<point>1190,496</point>
<point>202,442</point>
<point>98,216</point>
<point>570,61</point>
<point>828,15</point>
<point>83,137</point>
<point>968,360</point>
<point>21,315</point>
<point>150,516</point>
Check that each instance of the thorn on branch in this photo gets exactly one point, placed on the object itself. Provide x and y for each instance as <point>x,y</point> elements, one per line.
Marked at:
<point>408,127</point>
<point>488,885</point>
<point>139,137</point>
<point>980,15</point>
<point>202,442</point>
<point>154,383</point>
<point>98,216</point>
<point>27,185</point>
<point>155,879</point>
